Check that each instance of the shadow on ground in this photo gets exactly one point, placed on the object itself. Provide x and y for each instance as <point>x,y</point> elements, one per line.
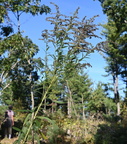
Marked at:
<point>111,134</point>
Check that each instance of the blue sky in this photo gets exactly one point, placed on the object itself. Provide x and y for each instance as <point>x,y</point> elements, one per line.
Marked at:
<point>33,26</point>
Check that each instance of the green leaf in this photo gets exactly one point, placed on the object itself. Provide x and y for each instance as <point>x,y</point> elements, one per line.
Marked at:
<point>46,118</point>
<point>17,129</point>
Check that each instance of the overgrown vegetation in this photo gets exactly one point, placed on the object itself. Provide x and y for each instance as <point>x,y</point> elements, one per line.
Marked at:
<point>55,102</point>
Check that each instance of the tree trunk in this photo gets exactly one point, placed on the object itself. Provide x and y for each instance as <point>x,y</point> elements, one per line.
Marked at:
<point>71,103</point>
<point>32,101</point>
<point>118,108</point>
<point>116,94</point>
<point>69,107</point>
<point>83,109</point>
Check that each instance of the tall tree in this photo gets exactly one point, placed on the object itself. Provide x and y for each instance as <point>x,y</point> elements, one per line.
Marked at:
<point>13,46</point>
<point>115,33</point>
<point>113,58</point>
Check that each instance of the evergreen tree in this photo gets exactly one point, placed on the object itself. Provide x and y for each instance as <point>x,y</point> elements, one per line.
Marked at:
<point>115,33</point>
<point>81,88</point>
<point>99,102</point>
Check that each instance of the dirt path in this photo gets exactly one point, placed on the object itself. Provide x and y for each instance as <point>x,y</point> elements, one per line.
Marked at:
<point>8,141</point>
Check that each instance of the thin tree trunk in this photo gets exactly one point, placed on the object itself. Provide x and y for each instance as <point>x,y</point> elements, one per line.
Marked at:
<point>18,15</point>
<point>70,102</point>
<point>32,101</point>
<point>83,109</point>
<point>116,94</point>
<point>32,107</point>
<point>69,107</point>
<point>118,108</point>
<point>73,106</point>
